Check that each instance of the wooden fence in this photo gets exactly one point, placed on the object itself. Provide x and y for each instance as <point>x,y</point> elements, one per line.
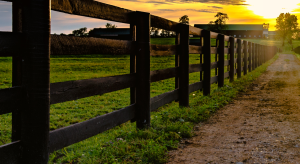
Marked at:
<point>30,45</point>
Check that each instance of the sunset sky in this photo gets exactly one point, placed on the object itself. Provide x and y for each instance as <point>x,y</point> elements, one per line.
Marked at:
<point>199,12</point>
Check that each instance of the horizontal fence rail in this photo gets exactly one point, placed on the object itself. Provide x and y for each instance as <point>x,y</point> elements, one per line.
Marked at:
<point>238,57</point>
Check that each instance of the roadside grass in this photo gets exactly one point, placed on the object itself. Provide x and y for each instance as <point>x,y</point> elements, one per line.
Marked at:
<point>124,143</point>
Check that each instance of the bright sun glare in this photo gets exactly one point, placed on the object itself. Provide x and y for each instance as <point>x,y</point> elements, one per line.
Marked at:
<point>271,8</point>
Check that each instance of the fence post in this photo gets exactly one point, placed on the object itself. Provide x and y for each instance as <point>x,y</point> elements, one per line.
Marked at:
<point>36,81</point>
<point>177,42</point>
<point>245,56</point>
<point>250,55</point>
<point>231,61</point>
<point>239,58</point>
<point>221,61</point>
<point>207,62</point>
<point>253,56</point>
<point>142,70</point>
<point>133,61</point>
<point>201,60</point>
<point>16,69</point>
<point>184,65</point>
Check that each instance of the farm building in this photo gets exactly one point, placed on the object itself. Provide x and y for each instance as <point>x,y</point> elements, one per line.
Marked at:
<point>242,30</point>
<point>111,33</point>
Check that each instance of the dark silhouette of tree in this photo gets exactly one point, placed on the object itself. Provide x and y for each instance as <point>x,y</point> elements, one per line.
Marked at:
<point>80,32</point>
<point>184,19</point>
<point>109,25</point>
<point>219,25</point>
<point>287,27</point>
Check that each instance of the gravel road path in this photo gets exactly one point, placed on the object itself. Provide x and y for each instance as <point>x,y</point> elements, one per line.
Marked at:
<point>261,125</point>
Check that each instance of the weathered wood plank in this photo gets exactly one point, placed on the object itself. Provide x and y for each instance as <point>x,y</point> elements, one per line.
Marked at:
<point>195,68</point>
<point>239,58</point>
<point>221,61</point>
<point>226,51</point>
<point>162,74</point>
<point>163,23</point>
<point>69,135</point>
<point>226,74</point>
<point>226,38</point>
<point>94,9</point>
<point>213,35</point>
<point>226,62</point>
<point>72,90</point>
<point>143,23</point>
<point>10,153</point>
<point>195,31</point>
<point>10,98</point>
<point>214,65</point>
<point>10,43</point>
<point>214,79</point>
<point>72,45</point>
<point>207,62</point>
<point>163,99</point>
<point>195,49</point>
<point>184,66</point>
<point>195,86</point>
<point>162,50</point>
<point>231,61</point>
<point>213,50</point>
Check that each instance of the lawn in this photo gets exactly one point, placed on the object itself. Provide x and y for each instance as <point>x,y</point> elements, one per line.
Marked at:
<point>125,144</point>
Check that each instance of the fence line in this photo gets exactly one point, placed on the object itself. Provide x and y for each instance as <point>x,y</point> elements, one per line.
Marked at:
<point>31,95</point>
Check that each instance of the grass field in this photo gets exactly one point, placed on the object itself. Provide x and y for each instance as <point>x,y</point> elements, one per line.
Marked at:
<point>124,144</point>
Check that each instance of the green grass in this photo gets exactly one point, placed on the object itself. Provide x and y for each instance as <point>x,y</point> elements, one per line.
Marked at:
<point>124,144</point>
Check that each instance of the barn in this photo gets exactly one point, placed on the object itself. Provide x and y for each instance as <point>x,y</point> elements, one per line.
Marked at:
<point>249,31</point>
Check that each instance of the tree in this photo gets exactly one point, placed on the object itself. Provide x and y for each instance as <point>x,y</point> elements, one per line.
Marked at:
<point>184,19</point>
<point>219,25</point>
<point>80,32</point>
<point>108,25</point>
<point>287,27</point>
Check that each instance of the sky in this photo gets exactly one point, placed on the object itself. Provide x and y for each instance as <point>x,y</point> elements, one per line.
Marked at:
<point>198,11</point>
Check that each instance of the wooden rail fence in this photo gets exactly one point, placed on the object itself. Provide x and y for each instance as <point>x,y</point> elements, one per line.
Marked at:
<point>30,45</point>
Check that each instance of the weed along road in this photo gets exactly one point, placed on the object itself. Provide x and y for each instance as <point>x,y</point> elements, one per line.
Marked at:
<point>260,125</point>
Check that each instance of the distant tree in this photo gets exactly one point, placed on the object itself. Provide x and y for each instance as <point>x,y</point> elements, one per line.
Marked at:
<point>287,27</point>
<point>184,20</point>
<point>219,25</point>
<point>62,34</point>
<point>108,25</point>
<point>80,32</point>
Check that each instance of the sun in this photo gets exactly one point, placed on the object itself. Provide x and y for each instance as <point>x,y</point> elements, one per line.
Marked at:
<point>271,8</point>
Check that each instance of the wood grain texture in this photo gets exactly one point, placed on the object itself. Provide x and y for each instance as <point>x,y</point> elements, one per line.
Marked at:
<point>10,43</point>
<point>195,68</point>
<point>184,66</point>
<point>195,49</point>
<point>10,153</point>
<point>72,90</point>
<point>195,31</point>
<point>10,98</point>
<point>163,23</point>
<point>73,45</point>
<point>69,135</point>
<point>195,86</point>
<point>162,50</point>
<point>214,79</point>
<point>94,9</point>
<point>162,74</point>
<point>163,99</point>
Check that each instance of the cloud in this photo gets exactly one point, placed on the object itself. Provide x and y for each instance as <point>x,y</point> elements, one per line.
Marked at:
<point>216,7</point>
<point>199,10</point>
<point>222,2</point>
<point>296,10</point>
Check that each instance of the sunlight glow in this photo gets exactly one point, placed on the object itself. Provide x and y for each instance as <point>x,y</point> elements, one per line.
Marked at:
<point>271,8</point>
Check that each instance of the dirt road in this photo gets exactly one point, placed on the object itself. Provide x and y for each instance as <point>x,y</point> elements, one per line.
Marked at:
<point>261,125</point>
